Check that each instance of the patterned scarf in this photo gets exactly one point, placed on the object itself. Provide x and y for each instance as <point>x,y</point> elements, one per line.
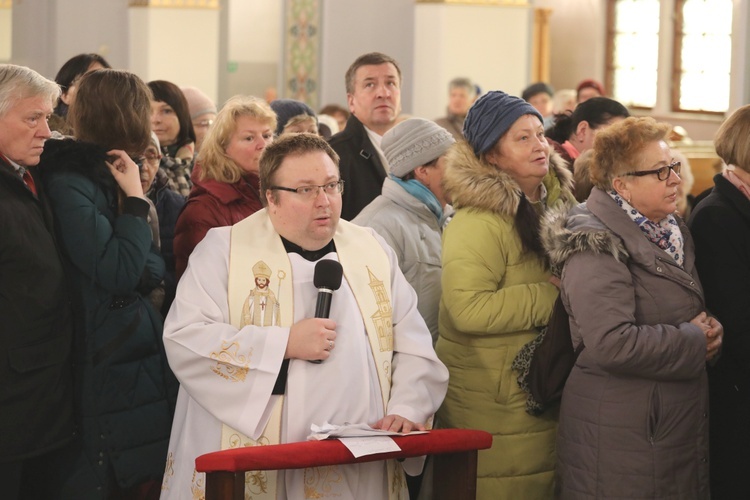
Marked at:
<point>665,234</point>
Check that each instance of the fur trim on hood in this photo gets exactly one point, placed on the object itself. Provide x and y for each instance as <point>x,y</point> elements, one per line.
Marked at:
<point>474,183</point>
<point>566,232</point>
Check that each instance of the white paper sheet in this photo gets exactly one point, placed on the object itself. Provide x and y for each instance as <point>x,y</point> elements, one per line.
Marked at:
<point>327,430</point>
<point>361,446</point>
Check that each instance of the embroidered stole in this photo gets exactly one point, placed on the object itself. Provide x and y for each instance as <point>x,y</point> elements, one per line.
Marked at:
<point>255,245</point>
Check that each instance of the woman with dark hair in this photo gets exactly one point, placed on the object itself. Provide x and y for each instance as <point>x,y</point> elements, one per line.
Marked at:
<point>125,391</point>
<point>67,78</point>
<point>574,133</point>
<point>171,122</point>
<point>498,289</point>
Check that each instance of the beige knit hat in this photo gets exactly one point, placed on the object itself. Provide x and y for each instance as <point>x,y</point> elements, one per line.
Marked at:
<point>413,143</point>
<point>198,102</point>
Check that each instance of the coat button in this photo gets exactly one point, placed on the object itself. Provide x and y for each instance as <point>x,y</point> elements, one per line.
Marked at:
<point>658,269</point>
<point>101,462</point>
<point>692,283</point>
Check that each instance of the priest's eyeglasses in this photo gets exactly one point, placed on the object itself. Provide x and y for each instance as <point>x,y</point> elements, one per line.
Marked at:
<point>661,173</point>
<point>330,189</point>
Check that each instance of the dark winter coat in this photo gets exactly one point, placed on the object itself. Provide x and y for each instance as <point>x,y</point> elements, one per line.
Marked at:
<point>212,204</point>
<point>360,166</point>
<point>721,227</point>
<point>36,384</point>
<point>125,390</point>
<point>168,205</point>
<point>634,413</point>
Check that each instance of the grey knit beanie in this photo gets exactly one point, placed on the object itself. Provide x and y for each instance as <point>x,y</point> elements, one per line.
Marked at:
<point>491,116</point>
<point>413,143</point>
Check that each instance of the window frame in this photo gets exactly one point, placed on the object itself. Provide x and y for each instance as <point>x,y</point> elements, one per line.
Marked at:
<point>675,64</point>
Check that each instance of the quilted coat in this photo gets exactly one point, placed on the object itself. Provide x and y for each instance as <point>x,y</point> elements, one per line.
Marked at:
<point>495,297</point>
<point>125,391</point>
<point>634,413</point>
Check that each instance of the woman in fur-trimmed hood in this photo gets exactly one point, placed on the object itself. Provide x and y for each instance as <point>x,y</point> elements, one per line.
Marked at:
<point>634,412</point>
<point>497,290</point>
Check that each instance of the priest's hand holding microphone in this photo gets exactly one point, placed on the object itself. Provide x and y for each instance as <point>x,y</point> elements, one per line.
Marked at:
<point>314,338</point>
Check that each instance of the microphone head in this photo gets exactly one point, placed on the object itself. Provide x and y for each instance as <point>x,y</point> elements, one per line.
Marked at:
<point>328,274</point>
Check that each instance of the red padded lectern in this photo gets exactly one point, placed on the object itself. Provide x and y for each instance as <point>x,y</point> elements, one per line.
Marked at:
<point>454,450</point>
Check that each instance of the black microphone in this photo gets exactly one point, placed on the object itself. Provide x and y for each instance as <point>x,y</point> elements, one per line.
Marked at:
<point>327,279</point>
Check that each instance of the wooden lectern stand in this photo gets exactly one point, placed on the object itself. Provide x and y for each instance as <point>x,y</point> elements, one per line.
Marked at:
<point>454,450</point>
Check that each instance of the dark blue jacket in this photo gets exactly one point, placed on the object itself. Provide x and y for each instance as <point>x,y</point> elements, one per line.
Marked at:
<point>168,205</point>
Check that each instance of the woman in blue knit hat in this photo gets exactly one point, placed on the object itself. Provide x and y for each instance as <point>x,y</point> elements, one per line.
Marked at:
<point>498,289</point>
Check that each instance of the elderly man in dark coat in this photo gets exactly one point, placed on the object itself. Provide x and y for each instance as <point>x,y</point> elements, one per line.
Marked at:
<point>35,336</point>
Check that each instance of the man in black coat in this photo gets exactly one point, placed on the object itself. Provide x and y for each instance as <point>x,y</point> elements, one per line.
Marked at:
<point>373,91</point>
<point>36,400</point>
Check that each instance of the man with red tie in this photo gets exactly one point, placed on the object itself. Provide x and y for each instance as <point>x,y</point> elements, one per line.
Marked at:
<point>36,330</point>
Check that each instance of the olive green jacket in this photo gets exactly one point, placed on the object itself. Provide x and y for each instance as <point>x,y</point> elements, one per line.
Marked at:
<point>495,297</point>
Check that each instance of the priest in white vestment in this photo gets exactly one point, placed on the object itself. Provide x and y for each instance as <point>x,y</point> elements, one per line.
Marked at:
<point>244,385</point>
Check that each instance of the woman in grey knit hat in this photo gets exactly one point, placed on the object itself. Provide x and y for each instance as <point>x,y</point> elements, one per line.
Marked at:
<point>410,211</point>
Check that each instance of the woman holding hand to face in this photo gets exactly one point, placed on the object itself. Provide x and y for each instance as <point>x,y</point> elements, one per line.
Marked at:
<point>634,412</point>
<point>225,177</point>
<point>125,391</point>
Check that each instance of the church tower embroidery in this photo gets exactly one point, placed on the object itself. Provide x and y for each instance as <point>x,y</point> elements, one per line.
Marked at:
<point>382,318</point>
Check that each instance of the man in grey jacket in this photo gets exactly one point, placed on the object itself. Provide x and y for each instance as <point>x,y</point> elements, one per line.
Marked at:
<point>410,212</point>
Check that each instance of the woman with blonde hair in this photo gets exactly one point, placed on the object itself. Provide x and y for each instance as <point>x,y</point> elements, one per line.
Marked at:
<point>721,226</point>
<point>225,176</point>
<point>633,417</point>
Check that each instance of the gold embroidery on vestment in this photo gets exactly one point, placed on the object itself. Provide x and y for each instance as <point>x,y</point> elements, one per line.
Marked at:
<point>320,482</point>
<point>168,471</point>
<point>198,487</point>
<point>382,317</point>
<point>231,365</point>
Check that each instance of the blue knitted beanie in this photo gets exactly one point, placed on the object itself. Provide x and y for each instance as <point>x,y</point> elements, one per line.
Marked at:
<point>491,116</point>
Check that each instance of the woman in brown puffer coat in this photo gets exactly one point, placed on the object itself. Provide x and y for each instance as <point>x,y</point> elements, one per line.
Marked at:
<point>634,414</point>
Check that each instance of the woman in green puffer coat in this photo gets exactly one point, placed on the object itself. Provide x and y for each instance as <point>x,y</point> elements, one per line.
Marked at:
<point>498,290</point>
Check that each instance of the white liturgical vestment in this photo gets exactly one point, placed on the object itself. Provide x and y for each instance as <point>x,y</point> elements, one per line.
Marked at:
<point>344,388</point>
